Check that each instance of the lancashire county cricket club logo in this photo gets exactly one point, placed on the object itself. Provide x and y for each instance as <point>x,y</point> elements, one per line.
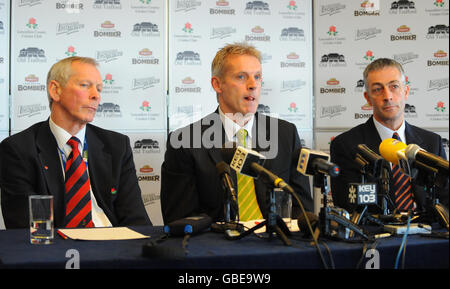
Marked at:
<point>292,5</point>
<point>188,28</point>
<point>440,107</point>
<point>293,107</point>
<point>369,56</point>
<point>439,3</point>
<point>32,23</point>
<point>332,31</point>
<point>70,51</point>
<point>145,106</point>
<point>108,79</point>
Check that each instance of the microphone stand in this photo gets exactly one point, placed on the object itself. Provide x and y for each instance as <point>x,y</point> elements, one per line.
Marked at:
<point>275,226</point>
<point>328,214</point>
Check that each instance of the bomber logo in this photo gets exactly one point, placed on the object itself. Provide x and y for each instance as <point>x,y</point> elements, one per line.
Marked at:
<point>292,61</point>
<point>368,8</point>
<point>222,8</point>
<point>145,57</point>
<point>332,87</point>
<point>31,84</point>
<point>257,35</point>
<point>440,59</point>
<point>403,34</point>
<point>107,30</point>
<point>188,86</point>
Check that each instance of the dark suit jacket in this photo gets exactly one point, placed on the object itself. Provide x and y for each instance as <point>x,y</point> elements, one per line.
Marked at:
<point>30,164</point>
<point>344,148</point>
<point>190,184</point>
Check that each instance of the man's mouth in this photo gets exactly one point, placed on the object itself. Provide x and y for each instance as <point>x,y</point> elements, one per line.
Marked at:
<point>249,98</point>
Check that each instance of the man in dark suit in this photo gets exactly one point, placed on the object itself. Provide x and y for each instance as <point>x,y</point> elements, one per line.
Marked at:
<point>387,92</point>
<point>190,184</point>
<point>33,162</point>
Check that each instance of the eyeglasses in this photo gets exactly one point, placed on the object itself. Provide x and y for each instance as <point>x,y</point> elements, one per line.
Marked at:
<point>378,89</point>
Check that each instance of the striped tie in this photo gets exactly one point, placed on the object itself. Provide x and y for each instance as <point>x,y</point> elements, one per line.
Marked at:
<point>248,205</point>
<point>401,186</point>
<point>78,196</point>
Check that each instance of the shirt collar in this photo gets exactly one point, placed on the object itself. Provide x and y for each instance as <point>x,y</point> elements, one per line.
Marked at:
<point>386,132</point>
<point>231,128</point>
<point>63,136</point>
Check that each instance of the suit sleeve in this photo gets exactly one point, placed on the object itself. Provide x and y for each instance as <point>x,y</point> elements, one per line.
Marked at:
<point>129,207</point>
<point>17,181</point>
<point>342,155</point>
<point>179,196</point>
<point>299,182</point>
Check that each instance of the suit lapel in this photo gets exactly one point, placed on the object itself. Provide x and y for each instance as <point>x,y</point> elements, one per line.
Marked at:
<point>411,136</point>
<point>52,169</point>
<point>371,136</point>
<point>100,172</point>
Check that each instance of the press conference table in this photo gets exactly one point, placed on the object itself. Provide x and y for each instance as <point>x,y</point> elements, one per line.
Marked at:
<point>211,250</point>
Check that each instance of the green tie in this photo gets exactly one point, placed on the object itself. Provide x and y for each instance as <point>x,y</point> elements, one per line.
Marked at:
<point>248,205</point>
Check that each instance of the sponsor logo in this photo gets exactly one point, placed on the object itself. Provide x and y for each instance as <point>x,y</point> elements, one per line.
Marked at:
<point>143,6</point>
<point>403,33</point>
<point>145,113</point>
<point>441,112</point>
<point>147,145</point>
<point>257,8</point>
<point>359,86</point>
<point>68,28</point>
<point>145,56</point>
<point>32,30</point>
<point>292,61</point>
<point>257,35</point>
<point>367,58</point>
<point>332,87</point>
<point>108,55</point>
<point>222,32</point>
<point>107,30</point>
<point>188,34</point>
<point>292,34</point>
<point>292,85</point>
<point>188,86</point>
<point>368,8</point>
<point>108,110</point>
<point>107,4</point>
<point>332,60</point>
<point>146,29</point>
<point>438,8</point>
<point>146,169</point>
<point>440,107</point>
<point>108,87</point>
<point>188,58</point>
<point>149,199</point>
<point>437,84</point>
<point>31,84</point>
<point>30,110</point>
<point>331,111</point>
<point>405,58</point>
<point>187,5</point>
<point>410,111</point>
<point>331,9</point>
<point>439,31</point>
<point>28,3</point>
<point>333,38</point>
<point>144,83</point>
<point>402,7</point>
<point>367,33</point>
<point>293,107</point>
<point>222,8</point>
<point>440,58</point>
<point>70,6</point>
<point>32,55</point>
<point>292,11</point>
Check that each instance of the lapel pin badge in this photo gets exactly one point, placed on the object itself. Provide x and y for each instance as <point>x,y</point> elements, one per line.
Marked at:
<point>113,191</point>
<point>45,167</point>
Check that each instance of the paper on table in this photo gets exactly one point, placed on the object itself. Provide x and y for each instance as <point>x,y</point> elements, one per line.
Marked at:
<point>101,234</point>
<point>252,223</point>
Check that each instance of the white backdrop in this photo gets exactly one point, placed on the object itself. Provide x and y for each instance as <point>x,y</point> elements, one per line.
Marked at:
<point>311,80</point>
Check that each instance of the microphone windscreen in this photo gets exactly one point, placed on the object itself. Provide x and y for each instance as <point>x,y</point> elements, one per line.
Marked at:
<point>222,168</point>
<point>303,225</point>
<point>389,148</point>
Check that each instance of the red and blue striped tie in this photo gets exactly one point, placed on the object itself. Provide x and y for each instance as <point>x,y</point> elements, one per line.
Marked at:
<point>77,196</point>
<point>401,186</point>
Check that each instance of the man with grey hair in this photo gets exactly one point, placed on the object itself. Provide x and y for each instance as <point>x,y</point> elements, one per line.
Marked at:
<point>387,93</point>
<point>89,171</point>
<point>190,184</point>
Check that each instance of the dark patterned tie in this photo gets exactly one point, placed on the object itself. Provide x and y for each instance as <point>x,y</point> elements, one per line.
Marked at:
<point>78,196</point>
<point>401,186</point>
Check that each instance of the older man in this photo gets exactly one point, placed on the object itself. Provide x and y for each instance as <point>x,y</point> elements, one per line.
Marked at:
<point>89,171</point>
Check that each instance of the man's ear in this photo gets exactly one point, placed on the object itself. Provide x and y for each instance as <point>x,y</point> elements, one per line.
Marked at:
<point>366,96</point>
<point>216,84</point>
<point>54,90</point>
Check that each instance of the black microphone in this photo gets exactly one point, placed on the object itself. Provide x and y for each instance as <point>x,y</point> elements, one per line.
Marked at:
<point>369,155</point>
<point>311,162</point>
<point>418,154</point>
<point>223,170</point>
<point>243,159</point>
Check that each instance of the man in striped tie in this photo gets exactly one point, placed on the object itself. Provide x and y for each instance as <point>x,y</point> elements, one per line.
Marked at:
<point>387,93</point>
<point>190,184</point>
<point>89,171</point>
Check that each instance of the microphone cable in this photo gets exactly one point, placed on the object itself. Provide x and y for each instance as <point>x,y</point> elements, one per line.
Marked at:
<point>316,243</point>
<point>403,245</point>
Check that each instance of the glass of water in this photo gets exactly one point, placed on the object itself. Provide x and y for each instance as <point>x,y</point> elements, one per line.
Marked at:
<point>41,219</point>
<point>283,206</point>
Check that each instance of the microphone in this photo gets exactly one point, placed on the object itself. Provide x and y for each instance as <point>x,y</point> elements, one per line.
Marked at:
<point>311,162</point>
<point>367,154</point>
<point>392,150</point>
<point>415,152</point>
<point>243,159</point>
<point>223,170</point>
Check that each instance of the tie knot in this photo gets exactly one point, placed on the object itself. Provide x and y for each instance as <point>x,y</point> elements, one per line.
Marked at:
<point>73,142</point>
<point>241,135</point>
<point>396,136</point>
